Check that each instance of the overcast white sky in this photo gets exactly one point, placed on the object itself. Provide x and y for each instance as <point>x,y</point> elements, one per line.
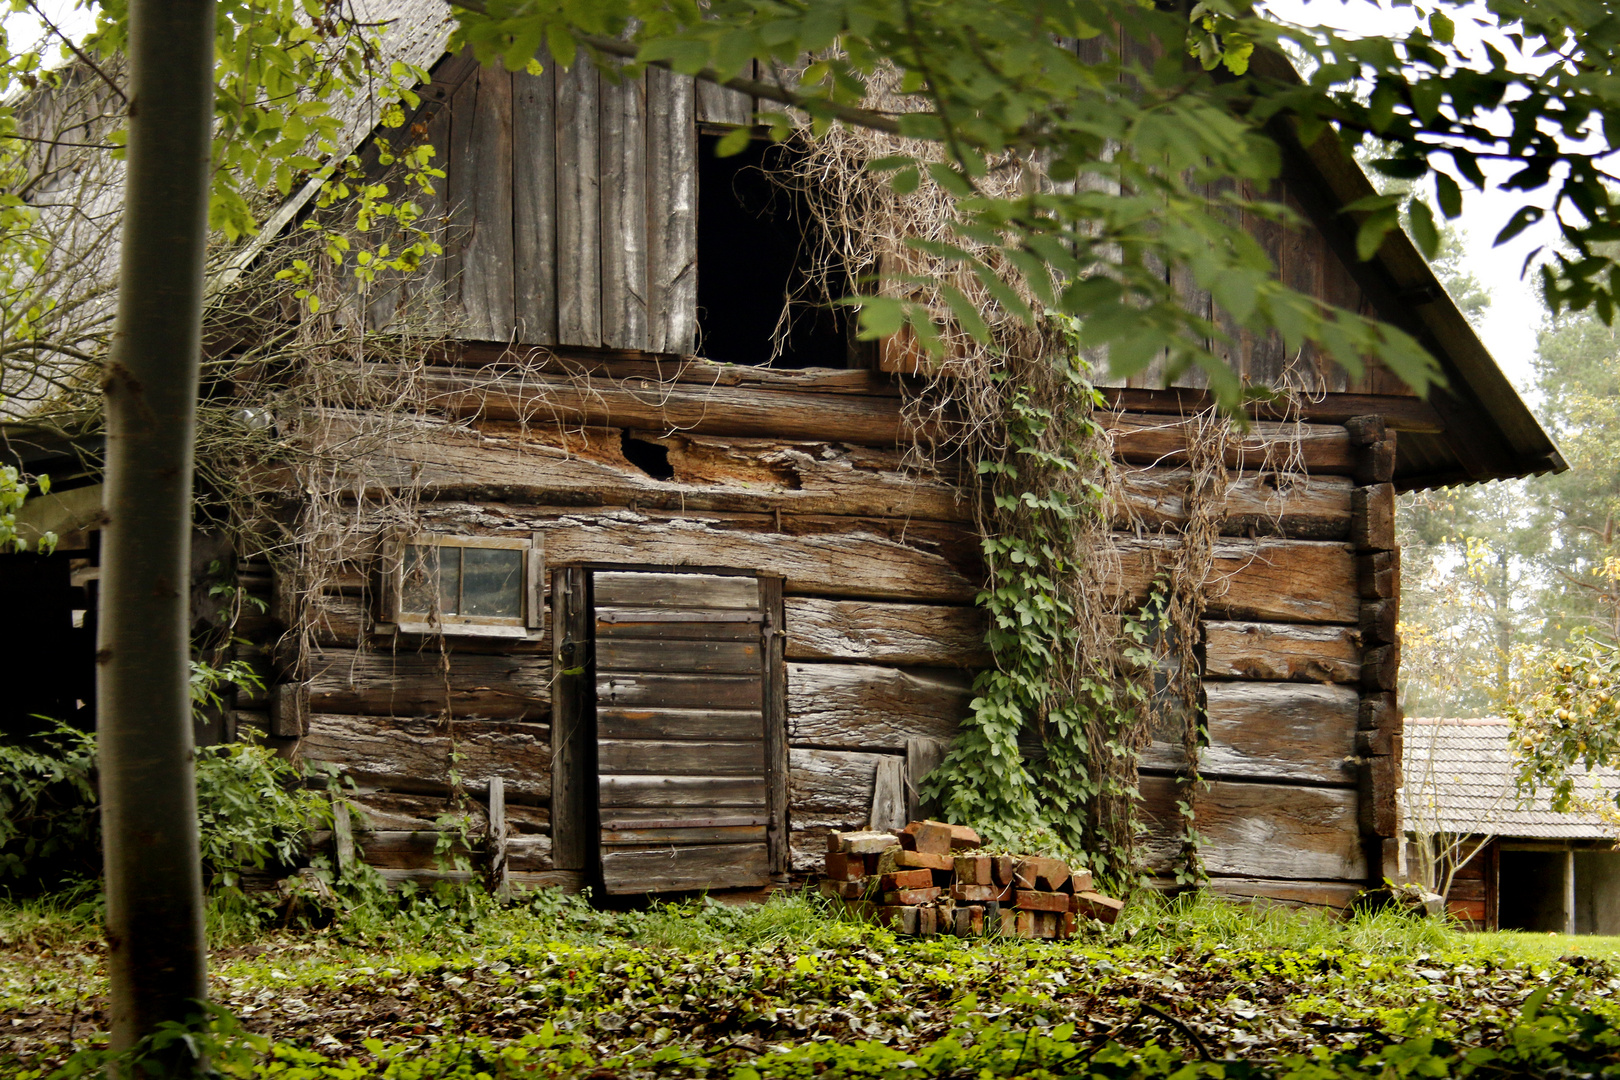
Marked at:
<point>1509,328</point>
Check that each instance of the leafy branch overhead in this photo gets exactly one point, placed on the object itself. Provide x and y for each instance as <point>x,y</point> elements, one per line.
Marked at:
<point>1155,138</point>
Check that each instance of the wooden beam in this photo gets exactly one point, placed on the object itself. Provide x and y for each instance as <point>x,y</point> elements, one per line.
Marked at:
<point>415,755</point>
<point>861,706</point>
<point>898,634</point>
<point>422,683</point>
<point>1278,651</point>
<point>1260,830</point>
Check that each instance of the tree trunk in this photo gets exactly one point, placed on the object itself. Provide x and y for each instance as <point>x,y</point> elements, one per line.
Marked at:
<point>156,951</point>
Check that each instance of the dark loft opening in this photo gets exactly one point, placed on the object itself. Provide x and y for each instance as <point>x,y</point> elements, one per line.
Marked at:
<point>755,249</point>
<point>650,457</point>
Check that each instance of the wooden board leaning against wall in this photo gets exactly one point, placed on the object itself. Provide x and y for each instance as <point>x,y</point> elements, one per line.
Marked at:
<point>799,474</point>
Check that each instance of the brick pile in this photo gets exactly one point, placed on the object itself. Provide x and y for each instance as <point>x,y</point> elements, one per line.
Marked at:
<point>929,879</point>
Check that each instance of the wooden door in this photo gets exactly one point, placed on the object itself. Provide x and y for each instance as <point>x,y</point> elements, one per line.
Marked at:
<point>683,769</point>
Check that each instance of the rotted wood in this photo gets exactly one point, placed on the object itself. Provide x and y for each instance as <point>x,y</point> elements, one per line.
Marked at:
<point>376,682</point>
<point>631,368</point>
<point>862,706</point>
<point>1376,443</point>
<point>899,634</point>
<point>1296,581</point>
<point>1259,830</point>
<point>1380,712</point>
<point>684,757</point>
<point>720,105</point>
<point>289,710</point>
<point>853,564</point>
<point>1257,504</point>
<point>614,722</point>
<point>773,640</point>
<point>573,806</point>
<point>1162,440</point>
<point>680,869</point>
<point>1278,651</point>
<point>414,755</point>
<point>1372,524</point>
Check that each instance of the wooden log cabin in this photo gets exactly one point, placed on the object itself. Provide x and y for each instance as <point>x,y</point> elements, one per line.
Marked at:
<point>696,613</point>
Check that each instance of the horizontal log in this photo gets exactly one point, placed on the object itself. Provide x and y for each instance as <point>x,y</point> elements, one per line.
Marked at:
<point>1300,581</point>
<point>1259,830</point>
<point>637,366</point>
<point>827,790</point>
<point>423,683</point>
<point>638,692</point>
<point>415,755</point>
<point>848,564</point>
<point>569,881</point>
<point>1278,651</point>
<point>681,758</point>
<point>674,868</point>
<point>862,706</point>
<point>413,850</point>
<point>338,619</point>
<point>923,635</point>
<point>667,406</point>
<point>1333,896</point>
<point>385,811</point>
<point>1282,731</point>
<point>717,657</point>
<point>1401,412</point>
<point>680,791</point>
<point>623,723</point>
<point>1162,440</point>
<point>1259,504</point>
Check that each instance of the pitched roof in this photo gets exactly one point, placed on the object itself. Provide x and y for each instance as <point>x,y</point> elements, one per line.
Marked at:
<point>1460,777</point>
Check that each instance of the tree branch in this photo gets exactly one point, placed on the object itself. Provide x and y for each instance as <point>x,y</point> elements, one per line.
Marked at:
<point>89,63</point>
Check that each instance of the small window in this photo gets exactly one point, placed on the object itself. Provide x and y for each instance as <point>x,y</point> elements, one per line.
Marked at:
<point>468,585</point>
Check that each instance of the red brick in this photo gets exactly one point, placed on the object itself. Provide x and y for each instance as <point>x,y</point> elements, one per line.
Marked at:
<point>1003,868</point>
<point>979,894</point>
<point>1090,905</point>
<point>906,879</point>
<point>972,869</point>
<point>1030,900</point>
<point>908,897</point>
<point>930,837</point>
<point>928,921</point>
<point>1024,924</point>
<point>902,920</point>
<point>1081,881</point>
<point>923,860</point>
<point>1046,875</point>
<point>845,867</point>
<point>847,890</point>
<point>964,838</point>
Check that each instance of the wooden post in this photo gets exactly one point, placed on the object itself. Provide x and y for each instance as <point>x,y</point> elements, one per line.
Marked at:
<point>888,795</point>
<point>775,709</point>
<point>342,838</point>
<point>495,840</point>
<point>923,756</point>
<point>573,721</point>
<point>1569,887</point>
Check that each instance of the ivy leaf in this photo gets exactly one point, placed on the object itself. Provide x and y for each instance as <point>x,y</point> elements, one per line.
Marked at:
<point>1424,231</point>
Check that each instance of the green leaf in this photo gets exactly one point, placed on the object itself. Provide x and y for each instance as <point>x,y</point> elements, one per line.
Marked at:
<point>1441,28</point>
<point>1449,194</point>
<point>1424,231</point>
<point>733,142</point>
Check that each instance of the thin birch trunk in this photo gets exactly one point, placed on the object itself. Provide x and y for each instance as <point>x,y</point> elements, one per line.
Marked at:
<point>156,952</point>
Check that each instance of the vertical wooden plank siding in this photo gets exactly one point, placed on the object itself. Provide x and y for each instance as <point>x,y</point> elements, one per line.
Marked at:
<point>671,212</point>
<point>624,212</point>
<point>579,207</point>
<point>775,706</point>
<point>1264,357</point>
<point>534,206</point>
<point>573,729</point>
<point>482,190</point>
<point>717,105</point>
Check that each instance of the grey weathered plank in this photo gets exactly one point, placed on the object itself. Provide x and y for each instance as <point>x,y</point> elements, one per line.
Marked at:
<point>1279,651</point>
<point>534,207</point>
<point>1256,504</point>
<point>579,207</point>
<point>571,808</point>
<point>863,706</point>
<point>1275,730</point>
<point>1162,440</point>
<point>888,795</point>
<point>482,189</point>
<point>628,723</point>
<point>719,105</point>
<point>685,757</point>
<point>681,791</point>
<point>643,590</point>
<point>720,657</point>
<point>623,149</point>
<point>923,756</point>
<point>678,869</point>
<point>414,755</point>
<point>671,212</point>
<point>827,789</point>
<point>775,718</point>
<point>666,625</point>
<point>914,634</point>
<point>1255,579</point>
<point>1260,830</point>
<point>705,834</point>
<point>628,690</point>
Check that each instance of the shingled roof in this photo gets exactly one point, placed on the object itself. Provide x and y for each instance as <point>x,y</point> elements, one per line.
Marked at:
<point>1460,777</point>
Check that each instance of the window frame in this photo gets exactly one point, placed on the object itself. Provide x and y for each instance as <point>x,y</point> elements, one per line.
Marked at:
<point>526,626</point>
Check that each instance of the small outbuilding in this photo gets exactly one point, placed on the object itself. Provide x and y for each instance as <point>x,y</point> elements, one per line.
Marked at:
<point>1524,865</point>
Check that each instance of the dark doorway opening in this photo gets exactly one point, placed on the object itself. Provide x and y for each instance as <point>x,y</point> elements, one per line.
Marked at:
<point>757,245</point>
<point>1533,891</point>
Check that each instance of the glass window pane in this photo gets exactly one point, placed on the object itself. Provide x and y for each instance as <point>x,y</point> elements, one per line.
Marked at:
<point>493,582</point>
<point>432,580</point>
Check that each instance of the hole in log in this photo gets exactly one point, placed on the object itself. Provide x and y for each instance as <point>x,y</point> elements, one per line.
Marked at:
<point>649,457</point>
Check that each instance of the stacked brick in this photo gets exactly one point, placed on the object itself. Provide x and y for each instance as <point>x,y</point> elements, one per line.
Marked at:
<point>930,879</point>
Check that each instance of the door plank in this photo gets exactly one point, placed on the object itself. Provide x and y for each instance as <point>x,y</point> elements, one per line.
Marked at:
<point>579,207</point>
<point>722,834</point>
<point>638,590</point>
<point>677,869</point>
<point>684,758</point>
<point>629,689</point>
<point>718,657</point>
<point>615,723</point>
<point>670,791</point>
